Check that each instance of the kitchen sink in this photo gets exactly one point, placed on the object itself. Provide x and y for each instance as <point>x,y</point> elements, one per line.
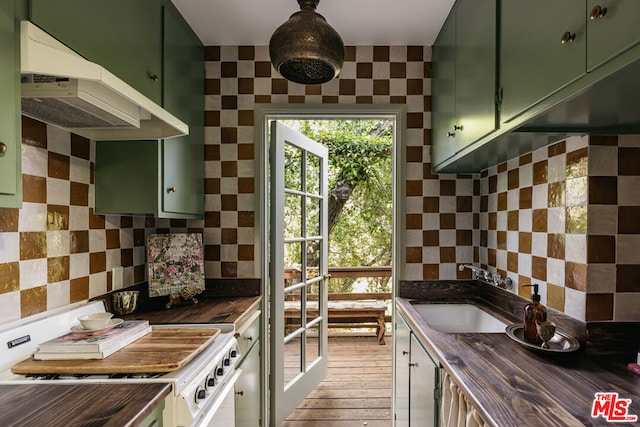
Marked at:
<point>459,318</point>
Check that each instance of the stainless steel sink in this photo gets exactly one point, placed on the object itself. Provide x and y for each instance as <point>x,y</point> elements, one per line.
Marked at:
<point>459,318</point>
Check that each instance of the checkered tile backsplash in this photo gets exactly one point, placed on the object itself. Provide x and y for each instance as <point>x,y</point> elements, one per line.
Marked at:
<point>563,216</point>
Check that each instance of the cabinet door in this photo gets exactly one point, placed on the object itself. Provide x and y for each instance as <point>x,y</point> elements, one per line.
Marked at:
<point>247,389</point>
<point>475,70</point>
<point>401,375</point>
<point>123,36</point>
<point>534,61</point>
<point>10,156</point>
<point>424,387</point>
<point>611,32</point>
<point>443,96</point>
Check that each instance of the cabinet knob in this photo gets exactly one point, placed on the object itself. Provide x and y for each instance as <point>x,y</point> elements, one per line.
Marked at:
<point>413,365</point>
<point>405,352</point>
<point>3,148</point>
<point>451,134</point>
<point>456,127</point>
<point>171,189</point>
<point>240,393</point>
<point>154,77</point>
<point>568,37</point>
<point>597,12</point>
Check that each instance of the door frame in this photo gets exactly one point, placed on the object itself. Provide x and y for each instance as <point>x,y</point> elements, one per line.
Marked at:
<point>263,113</point>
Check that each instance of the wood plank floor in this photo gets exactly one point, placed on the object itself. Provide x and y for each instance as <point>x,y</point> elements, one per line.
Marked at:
<point>357,390</point>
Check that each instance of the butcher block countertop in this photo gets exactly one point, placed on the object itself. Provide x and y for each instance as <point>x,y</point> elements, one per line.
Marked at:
<point>115,405</point>
<point>514,386</point>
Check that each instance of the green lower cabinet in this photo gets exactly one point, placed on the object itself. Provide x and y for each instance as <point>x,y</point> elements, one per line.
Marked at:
<point>247,389</point>
<point>10,128</point>
<point>157,177</point>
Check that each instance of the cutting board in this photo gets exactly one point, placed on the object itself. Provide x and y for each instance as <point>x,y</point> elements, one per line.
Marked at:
<point>162,350</point>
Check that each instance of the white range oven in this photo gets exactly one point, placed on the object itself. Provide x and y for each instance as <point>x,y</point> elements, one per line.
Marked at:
<point>202,390</point>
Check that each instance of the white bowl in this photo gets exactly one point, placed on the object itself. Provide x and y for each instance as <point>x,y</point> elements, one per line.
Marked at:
<point>95,320</point>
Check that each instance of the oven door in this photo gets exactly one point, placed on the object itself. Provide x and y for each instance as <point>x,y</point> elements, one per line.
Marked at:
<point>221,411</point>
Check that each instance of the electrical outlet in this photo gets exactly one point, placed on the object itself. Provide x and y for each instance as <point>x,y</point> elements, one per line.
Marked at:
<point>117,278</point>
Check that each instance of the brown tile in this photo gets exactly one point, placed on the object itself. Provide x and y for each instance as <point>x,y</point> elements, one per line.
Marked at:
<point>229,269</point>
<point>427,173</point>
<point>502,240</point>
<point>627,278</point>
<point>212,219</point>
<point>398,70</point>
<point>9,219</point>
<point>502,167</point>
<point>229,202</point>
<point>415,86</point>
<point>33,245</point>
<point>447,187</point>
<point>58,165</point>
<point>464,204</point>
<point>96,222</point>
<point>430,204</point>
<point>556,149</point>
<point>603,190</point>
<point>126,221</point>
<point>526,198</point>
<point>512,261</point>
<point>113,238</point>
<point>246,185</point>
<point>491,256</point>
<point>381,53</point>
<point>33,301</point>
<point>246,53</point>
<point>447,254</point>
<point>464,237</point>
<point>9,277</point>
<point>540,172</point>
<point>79,241</point>
<point>415,120</point>
<point>576,220</point>
<point>80,147</point>
<point>575,276</point>
<point>313,89</point>
<point>577,163</point>
<point>138,237</point>
<point>350,53</point>
<point>426,70</point>
<point>524,242</point>
<point>599,307</point>
<point>628,222</point>
<point>629,161</point>
<point>502,201</point>
<point>229,169</point>
<point>245,252</point>
<point>229,236</point>
<point>484,203</point>
<point>398,100</point>
<point>484,238</point>
<point>610,140</point>
<point>463,275</point>
<point>212,87</point>
<point>126,255</point>
<point>513,218</point>
<point>539,268</point>
<point>279,86</point>
<point>555,246</point>
<point>57,217</point>
<point>212,53</point>
<point>212,253</point>
<point>296,99</point>
<point>556,194</point>
<point>79,194</point>
<point>539,220</point>
<point>493,221</point>
<point>79,289</point>
<point>601,249</point>
<point>246,219</point>
<point>245,118</point>
<point>414,154</point>
<point>381,87</point>
<point>447,221</point>
<point>513,179</point>
<point>525,159</point>
<point>364,70</point>
<point>97,262</point>
<point>228,69</point>
<point>430,272</point>
<point>211,152</point>
<point>34,189</point>
<point>524,290</point>
<point>34,132</point>
<point>493,184</point>
<point>57,269</point>
<point>139,273</point>
<point>329,99</point>
<point>262,69</point>
<point>415,53</point>
<point>212,118</point>
<point>177,223</point>
<point>347,87</point>
<point>413,188</point>
<point>229,102</point>
<point>555,297</point>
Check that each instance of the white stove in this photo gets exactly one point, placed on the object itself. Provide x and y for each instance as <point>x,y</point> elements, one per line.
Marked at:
<point>202,391</point>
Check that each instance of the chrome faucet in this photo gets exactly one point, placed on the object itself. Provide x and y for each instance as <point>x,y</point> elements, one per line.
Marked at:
<point>487,276</point>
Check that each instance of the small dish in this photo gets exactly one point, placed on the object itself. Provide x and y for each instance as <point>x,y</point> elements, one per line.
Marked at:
<point>559,343</point>
<point>95,320</point>
<point>112,324</point>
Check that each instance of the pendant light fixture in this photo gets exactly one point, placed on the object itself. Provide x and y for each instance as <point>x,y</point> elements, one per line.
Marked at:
<point>306,49</point>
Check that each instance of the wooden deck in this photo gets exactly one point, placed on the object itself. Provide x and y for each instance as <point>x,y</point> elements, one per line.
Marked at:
<point>357,390</point>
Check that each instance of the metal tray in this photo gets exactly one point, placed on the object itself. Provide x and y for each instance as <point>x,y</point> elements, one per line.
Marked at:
<point>560,343</point>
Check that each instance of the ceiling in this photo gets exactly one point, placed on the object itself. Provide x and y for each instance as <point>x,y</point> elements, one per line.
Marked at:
<point>359,22</point>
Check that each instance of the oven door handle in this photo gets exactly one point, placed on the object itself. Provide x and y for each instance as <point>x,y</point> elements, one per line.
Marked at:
<point>228,389</point>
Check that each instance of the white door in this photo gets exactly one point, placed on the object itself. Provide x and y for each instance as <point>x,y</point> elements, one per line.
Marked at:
<point>297,269</point>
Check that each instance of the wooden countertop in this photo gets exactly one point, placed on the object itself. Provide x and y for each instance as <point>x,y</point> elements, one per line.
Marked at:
<point>114,405</point>
<point>513,386</point>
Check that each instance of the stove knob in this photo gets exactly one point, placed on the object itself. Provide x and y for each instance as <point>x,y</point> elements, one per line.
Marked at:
<point>200,394</point>
<point>209,382</point>
<point>226,361</point>
<point>233,353</point>
<point>219,371</point>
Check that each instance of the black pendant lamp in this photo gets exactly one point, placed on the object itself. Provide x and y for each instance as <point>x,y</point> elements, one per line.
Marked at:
<point>306,49</point>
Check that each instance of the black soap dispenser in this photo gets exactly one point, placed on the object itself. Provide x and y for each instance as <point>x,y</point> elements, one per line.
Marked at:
<point>533,312</point>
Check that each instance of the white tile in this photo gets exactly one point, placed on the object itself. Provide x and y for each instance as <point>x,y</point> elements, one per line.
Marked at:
<point>33,273</point>
<point>58,191</point>
<point>58,140</point>
<point>556,220</point>
<point>9,247</point>
<point>464,187</point>
<point>10,303</point>
<point>576,248</point>
<point>502,182</point>
<point>492,239</point>
<point>448,271</point>
<point>447,204</point>
<point>513,199</point>
<point>113,258</point>
<point>602,220</point>
<point>603,160</point>
<point>575,303</point>
<point>525,221</point>
<point>246,269</point>
<point>628,249</point>
<point>539,244</point>
<point>628,190</point>
<point>625,307</point>
<point>128,276</point>
<point>57,243</point>
<point>228,219</point>
<point>555,271</point>
<point>601,278</point>
<point>464,221</point>
<point>413,171</point>
<point>556,168</point>
<point>526,175</point>
<point>576,191</point>
<point>447,238</point>
<point>540,197</point>
<point>412,271</point>
<point>213,269</point>
<point>629,140</point>
<point>126,237</point>
<point>139,255</point>
<point>464,255</point>
<point>576,142</point>
<point>431,221</point>
<point>539,155</point>
<point>34,160</point>
<point>33,217</point>
<point>97,284</point>
<point>78,218</point>
<point>58,294</point>
<point>501,259</point>
<point>524,266</point>
<point>97,241</point>
<point>246,236</point>
<point>512,241</point>
<point>78,265</point>
<point>79,170</point>
<point>501,220</point>
<point>246,202</point>
<point>430,255</point>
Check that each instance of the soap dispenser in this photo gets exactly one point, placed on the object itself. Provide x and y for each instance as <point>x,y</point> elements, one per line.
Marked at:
<point>533,312</point>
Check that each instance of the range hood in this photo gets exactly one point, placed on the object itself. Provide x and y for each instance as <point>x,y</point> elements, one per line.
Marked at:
<point>64,89</point>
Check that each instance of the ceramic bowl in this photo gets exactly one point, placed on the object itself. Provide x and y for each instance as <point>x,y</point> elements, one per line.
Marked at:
<point>95,320</point>
<point>125,302</point>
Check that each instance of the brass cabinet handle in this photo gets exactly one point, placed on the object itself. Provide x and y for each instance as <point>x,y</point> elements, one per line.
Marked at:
<point>154,77</point>
<point>171,189</point>
<point>456,127</point>
<point>568,37</point>
<point>3,148</point>
<point>597,12</point>
<point>451,134</point>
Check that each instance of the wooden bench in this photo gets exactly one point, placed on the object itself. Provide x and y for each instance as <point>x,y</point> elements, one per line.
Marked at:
<point>344,313</point>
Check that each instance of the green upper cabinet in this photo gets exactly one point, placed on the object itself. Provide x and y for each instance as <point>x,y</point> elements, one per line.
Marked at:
<point>123,36</point>
<point>612,27</point>
<point>10,133</point>
<point>464,78</point>
<point>543,48</point>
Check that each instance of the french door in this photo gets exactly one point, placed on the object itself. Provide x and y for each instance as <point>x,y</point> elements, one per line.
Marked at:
<point>297,268</point>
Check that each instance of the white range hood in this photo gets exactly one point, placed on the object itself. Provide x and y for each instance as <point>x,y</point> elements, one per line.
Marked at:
<point>64,89</point>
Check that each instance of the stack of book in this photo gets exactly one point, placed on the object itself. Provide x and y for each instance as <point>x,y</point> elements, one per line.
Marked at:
<point>84,345</point>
